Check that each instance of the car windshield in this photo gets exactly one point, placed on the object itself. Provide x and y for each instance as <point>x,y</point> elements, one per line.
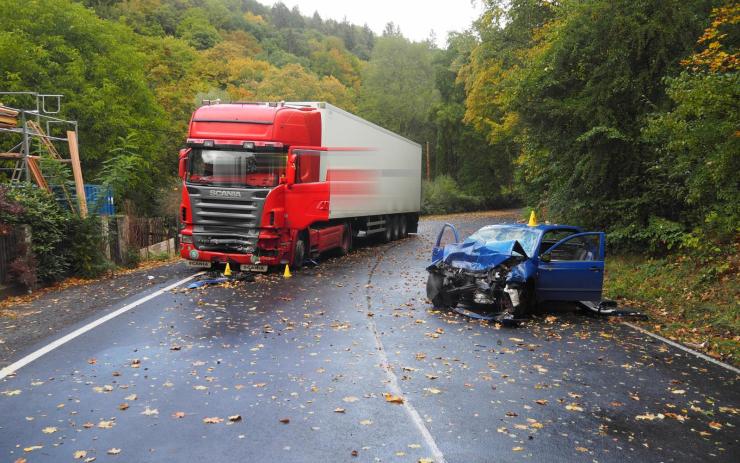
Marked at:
<point>236,168</point>
<point>497,233</point>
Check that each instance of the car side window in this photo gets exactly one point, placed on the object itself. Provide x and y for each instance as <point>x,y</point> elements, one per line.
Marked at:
<point>581,248</point>
<point>553,236</point>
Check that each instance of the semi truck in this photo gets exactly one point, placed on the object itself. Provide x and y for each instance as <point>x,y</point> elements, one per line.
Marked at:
<point>270,184</point>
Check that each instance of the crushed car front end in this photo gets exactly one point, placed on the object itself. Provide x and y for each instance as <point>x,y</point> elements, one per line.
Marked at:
<point>482,271</point>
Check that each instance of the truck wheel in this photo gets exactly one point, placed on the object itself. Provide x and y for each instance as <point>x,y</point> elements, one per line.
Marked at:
<point>438,294</point>
<point>299,253</point>
<point>346,245</point>
<point>404,229</point>
<point>388,233</point>
<point>396,227</point>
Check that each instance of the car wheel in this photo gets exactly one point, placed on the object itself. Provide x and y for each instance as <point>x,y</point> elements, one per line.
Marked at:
<point>299,253</point>
<point>439,294</point>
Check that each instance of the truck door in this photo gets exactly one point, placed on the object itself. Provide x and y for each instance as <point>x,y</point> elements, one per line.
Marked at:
<point>572,269</point>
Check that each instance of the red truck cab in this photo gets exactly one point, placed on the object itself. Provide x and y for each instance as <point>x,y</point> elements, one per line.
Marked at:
<point>248,197</point>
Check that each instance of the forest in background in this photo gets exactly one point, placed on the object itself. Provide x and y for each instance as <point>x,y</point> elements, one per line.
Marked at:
<point>615,115</point>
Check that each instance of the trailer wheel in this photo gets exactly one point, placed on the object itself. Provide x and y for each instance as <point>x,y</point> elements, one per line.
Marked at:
<point>404,229</point>
<point>388,233</point>
<point>396,227</point>
<point>299,253</point>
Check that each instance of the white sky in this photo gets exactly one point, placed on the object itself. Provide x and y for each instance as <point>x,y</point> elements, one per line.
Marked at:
<point>416,18</point>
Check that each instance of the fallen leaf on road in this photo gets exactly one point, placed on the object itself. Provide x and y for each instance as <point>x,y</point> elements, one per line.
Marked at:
<point>104,424</point>
<point>394,399</point>
<point>123,406</point>
<point>212,420</point>
<point>49,430</point>
<point>678,391</point>
<point>150,411</point>
<point>350,399</point>
<point>178,415</point>
<point>130,397</point>
<point>79,454</point>
<point>574,407</point>
<point>285,420</point>
<point>235,418</point>
<point>517,449</point>
<point>541,401</point>
<point>200,387</point>
<point>32,448</point>
<point>12,393</point>
<point>715,425</point>
<point>582,449</point>
<point>432,390</point>
<point>366,422</point>
<point>339,410</point>
<point>114,451</point>
<point>650,417</point>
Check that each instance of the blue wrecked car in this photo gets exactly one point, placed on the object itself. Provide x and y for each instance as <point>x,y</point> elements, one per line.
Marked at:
<point>515,267</point>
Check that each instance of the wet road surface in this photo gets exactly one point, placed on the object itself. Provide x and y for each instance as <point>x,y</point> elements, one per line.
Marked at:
<point>347,362</point>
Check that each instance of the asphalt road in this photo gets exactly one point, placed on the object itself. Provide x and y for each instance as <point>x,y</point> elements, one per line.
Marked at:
<point>298,371</point>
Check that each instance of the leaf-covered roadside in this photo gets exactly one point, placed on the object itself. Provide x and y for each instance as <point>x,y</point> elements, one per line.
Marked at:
<point>689,299</point>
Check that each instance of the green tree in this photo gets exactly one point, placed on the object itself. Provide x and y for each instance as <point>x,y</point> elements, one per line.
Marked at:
<point>398,88</point>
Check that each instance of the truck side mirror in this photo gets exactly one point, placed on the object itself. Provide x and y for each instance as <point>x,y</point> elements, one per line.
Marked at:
<point>183,165</point>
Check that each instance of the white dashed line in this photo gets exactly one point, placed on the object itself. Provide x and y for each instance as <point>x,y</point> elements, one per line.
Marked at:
<point>395,389</point>
<point>13,367</point>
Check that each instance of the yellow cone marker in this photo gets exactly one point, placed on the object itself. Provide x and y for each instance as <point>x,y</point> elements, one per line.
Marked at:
<point>286,273</point>
<point>532,219</point>
<point>227,270</point>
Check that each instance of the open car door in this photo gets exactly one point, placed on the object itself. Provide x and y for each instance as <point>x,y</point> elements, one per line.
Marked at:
<point>572,269</point>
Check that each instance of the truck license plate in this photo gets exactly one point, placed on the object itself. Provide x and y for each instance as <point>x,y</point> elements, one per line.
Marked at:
<point>253,268</point>
<point>199,264</point>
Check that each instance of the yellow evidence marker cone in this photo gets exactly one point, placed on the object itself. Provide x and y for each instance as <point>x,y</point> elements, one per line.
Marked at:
<point>227,270</point>
<point>286,273</point>
<point>532,219</point>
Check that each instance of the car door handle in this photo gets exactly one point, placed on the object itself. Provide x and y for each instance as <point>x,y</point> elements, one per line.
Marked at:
<point>595,269</point>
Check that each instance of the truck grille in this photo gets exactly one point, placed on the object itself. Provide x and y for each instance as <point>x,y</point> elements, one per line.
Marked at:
<point>226,219</point>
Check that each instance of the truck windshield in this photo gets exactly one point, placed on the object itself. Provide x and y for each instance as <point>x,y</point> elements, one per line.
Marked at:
<point>236,168</point>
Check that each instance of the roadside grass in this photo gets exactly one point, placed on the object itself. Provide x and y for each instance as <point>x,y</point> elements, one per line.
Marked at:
<point>682,301</point>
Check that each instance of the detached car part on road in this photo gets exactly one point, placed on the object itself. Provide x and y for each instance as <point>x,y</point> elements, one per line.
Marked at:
<point>514,267</point>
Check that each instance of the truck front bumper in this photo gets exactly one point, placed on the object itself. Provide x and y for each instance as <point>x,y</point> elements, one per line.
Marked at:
<point>187,251</point>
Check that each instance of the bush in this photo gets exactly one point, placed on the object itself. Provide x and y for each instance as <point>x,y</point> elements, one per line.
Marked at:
<point>83,244</point>
<point>49,223</point>
<point>62,244</point>
<point>443,196</point>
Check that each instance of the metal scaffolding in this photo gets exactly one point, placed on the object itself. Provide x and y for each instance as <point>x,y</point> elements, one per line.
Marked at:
<point>37,131</point>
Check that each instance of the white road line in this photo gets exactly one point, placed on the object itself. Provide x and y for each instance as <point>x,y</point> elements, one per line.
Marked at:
<point>13,367</point>
<point>395,389</point>
<point>683,348</point>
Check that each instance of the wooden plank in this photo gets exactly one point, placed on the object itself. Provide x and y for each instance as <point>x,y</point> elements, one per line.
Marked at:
<point>36,173</point>
<point>77,171</point>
